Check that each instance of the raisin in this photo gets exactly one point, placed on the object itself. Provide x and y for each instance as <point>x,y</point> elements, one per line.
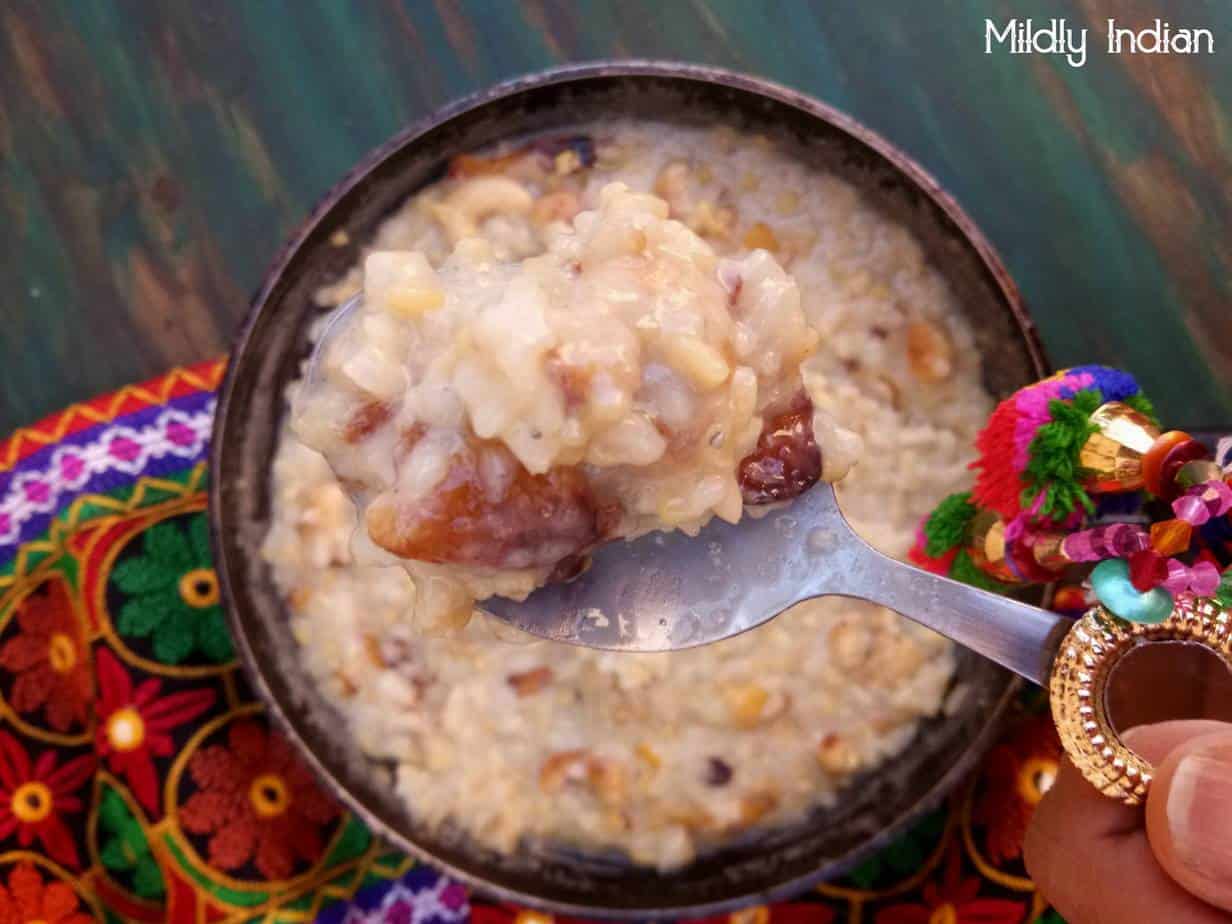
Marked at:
<point>366,419</point>
<point>539,521</point>
<point>787,460</point>
<point>718,772</point>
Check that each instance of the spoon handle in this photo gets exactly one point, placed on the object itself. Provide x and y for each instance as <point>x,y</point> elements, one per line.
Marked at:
<point>1074,660</point>
<point>1015,635</point>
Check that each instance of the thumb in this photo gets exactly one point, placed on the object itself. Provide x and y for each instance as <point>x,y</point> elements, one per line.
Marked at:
<point>1189,814</point>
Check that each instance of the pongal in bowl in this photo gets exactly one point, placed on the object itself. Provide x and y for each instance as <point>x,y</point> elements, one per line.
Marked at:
<point>661,756</point>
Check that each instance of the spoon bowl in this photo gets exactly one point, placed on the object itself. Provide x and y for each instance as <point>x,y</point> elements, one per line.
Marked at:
<point>666,591</point>
<point>332,326</point>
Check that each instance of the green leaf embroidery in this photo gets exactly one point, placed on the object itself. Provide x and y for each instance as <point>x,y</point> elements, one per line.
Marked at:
<point>157,609</point>
<point>112,811</point>
<point>148,878</point>
<point>213,636</point>
<point>174,637</point>
<point>127,850</point>
<point>141,575</point>
<point>116,856</point>
<point>167,545</point>
<point>141,615</point>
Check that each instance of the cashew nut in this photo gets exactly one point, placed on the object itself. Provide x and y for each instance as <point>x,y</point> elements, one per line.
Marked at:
<point>460,212</point>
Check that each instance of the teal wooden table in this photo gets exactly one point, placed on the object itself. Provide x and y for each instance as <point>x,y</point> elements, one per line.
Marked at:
<point>153,156</point>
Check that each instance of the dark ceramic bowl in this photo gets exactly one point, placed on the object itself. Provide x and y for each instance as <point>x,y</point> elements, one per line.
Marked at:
<point>273,341</point>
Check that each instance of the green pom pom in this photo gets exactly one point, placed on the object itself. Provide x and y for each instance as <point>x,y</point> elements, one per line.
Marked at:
<point>1052,467</point>
<point>965,570</point>
<point>949,524</point>
<point>1144,406</point>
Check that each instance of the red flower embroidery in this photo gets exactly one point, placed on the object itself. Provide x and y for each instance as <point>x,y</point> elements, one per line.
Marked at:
<point>257,802</point>
<point>1017,773</point>
<point>28,899</point>
<point>954,900</point>
<point>48,658</point>
<point>32,798</point>
<point>134,725</point>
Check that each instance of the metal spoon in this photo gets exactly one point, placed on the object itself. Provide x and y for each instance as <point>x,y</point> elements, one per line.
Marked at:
<point>668,590</point>
<point>335,321</point>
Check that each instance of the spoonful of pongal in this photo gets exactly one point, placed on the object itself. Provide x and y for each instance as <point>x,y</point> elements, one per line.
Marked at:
<point>497,423</point>
<point>500,425</point>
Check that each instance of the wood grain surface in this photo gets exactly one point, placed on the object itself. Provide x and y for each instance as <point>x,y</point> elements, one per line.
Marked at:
<point>153,155</point>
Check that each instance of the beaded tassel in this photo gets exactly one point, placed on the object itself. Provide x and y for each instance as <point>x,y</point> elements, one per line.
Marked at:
<point>1063,471</point>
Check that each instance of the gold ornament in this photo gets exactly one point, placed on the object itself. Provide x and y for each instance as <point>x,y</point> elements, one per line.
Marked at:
<point>1046,550</point>
<point>1079,683</point>
<point>988,547</point>
<point>1112,457</point>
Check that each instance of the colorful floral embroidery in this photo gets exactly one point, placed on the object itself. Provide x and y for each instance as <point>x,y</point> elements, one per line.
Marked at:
<point>126,850</point>
<point>1017,773</point>
<point>903,857</point>
<point>52,504</point>
<point>173,594</point>
<point>954,900</point>
<point>48,659</point>
<point>257,802</point>
<point>33,798</point>
<point>27,899</point>
<point>134,725</point>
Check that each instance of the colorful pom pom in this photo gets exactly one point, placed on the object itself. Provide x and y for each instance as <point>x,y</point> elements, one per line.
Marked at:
<point>918,555</point>
<point>1052,471</point>
<point>949,525</point>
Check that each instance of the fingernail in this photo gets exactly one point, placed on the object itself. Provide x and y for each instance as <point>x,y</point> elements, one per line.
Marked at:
<point>1199,811</point>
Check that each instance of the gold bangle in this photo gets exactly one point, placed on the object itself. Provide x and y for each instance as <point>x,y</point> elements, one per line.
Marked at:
<point>1079,683</point>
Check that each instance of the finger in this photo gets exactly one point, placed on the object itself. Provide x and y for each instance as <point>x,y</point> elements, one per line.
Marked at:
<point>1156,742</point>
<point>1090,858</point>
<point>1189,815</point>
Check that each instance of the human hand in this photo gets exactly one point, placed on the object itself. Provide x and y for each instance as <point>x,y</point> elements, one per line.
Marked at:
<point>1098,861</point>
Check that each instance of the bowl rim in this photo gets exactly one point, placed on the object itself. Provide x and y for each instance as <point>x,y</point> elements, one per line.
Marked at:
<point>570,73</point>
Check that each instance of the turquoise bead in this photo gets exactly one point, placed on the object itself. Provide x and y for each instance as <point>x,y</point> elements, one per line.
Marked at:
<point>1116,592</point>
